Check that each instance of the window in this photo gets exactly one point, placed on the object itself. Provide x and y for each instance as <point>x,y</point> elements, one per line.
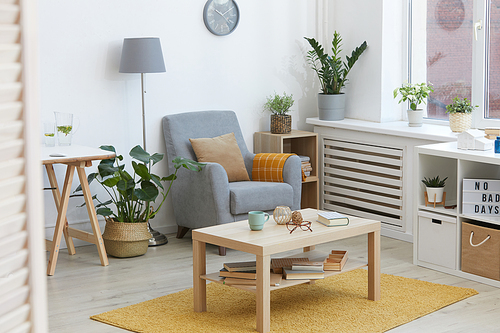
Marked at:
<point>455,46</point>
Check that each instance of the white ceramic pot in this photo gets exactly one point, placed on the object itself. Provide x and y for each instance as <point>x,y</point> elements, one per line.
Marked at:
<point>331,107</point>
<point>415,118</point>
<point>431,191</point>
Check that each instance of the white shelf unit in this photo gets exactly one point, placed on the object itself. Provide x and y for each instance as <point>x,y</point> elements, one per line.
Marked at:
<point>445,160</point>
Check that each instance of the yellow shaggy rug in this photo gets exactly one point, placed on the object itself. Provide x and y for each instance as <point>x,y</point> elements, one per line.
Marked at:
<point>336,304</point>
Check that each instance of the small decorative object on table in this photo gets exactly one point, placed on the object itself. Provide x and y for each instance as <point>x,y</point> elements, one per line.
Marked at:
<point>473,139</point>
<point>434,193</point>
<point>282,214</point>
<point>281,122</point>
<point>331,219</point>
<point>298,222</point>
<point>460,114</point>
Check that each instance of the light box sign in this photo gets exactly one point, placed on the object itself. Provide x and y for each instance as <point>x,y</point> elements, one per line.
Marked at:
<point>481,197</point>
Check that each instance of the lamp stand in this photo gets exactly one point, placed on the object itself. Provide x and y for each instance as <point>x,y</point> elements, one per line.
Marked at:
<point>157,238</point>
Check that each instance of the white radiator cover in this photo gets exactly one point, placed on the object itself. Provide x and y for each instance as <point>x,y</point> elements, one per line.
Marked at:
<point>364,180</point>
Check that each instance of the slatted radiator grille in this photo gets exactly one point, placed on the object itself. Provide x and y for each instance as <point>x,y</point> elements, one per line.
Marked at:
<point>363,180</point>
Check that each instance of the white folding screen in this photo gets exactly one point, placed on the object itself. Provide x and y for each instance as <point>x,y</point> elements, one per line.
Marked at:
<point>22,258</point>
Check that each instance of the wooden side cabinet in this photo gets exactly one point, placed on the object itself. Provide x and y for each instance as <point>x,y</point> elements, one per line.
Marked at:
<point>300,143</point>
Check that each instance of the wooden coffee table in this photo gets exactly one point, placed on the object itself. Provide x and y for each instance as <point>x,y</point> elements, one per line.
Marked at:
<point>274,239</point>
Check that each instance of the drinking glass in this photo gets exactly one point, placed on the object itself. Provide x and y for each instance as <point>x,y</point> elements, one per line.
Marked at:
<point>49,134</point>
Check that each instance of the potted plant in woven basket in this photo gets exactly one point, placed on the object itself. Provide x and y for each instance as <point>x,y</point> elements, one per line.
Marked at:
<point>416,94</point>
<point>279,106</point>
<point>132,196</point>
<point>460,114</point>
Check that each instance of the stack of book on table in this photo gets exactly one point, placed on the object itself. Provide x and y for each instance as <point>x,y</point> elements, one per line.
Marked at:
<point>304,270</point>
<point>332,219</point>
<point>306,165</point>
<point>244,273</point>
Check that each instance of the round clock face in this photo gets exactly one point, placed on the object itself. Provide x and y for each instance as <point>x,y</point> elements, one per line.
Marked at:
<point>221,16</point>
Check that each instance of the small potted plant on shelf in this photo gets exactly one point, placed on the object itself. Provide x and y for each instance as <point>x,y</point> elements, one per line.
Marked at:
<point>460,114</point>
<point>132,196</point>
<point>279,106</point>
<point>434,188</point>
<point>332,73</point>
<point>416,94</point>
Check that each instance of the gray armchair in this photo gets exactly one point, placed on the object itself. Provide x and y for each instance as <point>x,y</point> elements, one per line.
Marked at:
<point>206,198</point>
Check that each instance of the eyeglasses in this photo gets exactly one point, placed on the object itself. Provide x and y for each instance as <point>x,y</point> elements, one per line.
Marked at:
<point>305,225</point>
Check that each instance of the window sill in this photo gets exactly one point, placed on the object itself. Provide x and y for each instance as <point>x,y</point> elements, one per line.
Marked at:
<point>396,128</point>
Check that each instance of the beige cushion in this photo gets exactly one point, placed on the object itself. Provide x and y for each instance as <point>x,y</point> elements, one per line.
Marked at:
<point>224,150</point>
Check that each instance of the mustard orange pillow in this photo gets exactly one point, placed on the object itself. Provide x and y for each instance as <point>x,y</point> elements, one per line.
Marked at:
<point>224,150</point>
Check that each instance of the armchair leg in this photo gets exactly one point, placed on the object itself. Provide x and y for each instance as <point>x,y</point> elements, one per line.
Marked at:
<point>222,251</point>
<point>181,231</point>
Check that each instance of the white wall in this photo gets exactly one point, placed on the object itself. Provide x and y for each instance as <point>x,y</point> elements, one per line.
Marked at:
<point>80,45</point>
<point>380,69</point>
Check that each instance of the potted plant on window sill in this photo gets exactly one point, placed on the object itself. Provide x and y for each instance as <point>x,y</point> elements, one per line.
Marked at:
<point>332,73</point>
<point>434,188</point>
<point>126,233</point>
<point>279,106</point>
<point>416,94</point>
<point>460,114</point>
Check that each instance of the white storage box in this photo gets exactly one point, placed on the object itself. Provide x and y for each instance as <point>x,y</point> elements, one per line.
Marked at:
<point>437,239</point>
<point>481,197</point>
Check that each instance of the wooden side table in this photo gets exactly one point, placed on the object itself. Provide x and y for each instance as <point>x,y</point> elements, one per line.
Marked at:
<point>74,157</point>
<point>300,143</point>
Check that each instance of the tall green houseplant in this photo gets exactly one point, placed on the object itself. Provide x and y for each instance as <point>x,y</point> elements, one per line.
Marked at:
<point>332,73</point>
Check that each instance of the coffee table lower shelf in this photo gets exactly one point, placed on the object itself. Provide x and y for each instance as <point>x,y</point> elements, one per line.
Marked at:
<point>350,265</point>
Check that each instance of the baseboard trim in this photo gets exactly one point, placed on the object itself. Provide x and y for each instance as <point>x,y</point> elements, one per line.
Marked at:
<point>397,235</point>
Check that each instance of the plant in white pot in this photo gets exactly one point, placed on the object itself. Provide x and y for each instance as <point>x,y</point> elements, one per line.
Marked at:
<point>332,73</point>
<point>434,188</point>
<point>460,114</point>
<point>126,233</point>
<point>279,106</point>
<point>416,94</point>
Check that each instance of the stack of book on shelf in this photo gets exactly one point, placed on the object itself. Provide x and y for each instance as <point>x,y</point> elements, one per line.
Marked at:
<point>332,219</point>
<point>244,273</point>
<point>491,132</point>
<point>306,165</point>
<point>304,270</point>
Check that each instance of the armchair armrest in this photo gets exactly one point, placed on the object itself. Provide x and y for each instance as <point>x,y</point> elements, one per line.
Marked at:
<point>201,199</point>
<point>292,174</point>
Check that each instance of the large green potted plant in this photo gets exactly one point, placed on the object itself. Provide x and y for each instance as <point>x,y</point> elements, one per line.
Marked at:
<point>460,114</point>
<point>415,94</point>
<point>132,196</point>
<point>332,73</point>
<point>279,106</point>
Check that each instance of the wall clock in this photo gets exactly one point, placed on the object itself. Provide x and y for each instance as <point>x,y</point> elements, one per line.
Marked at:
<point>221,17</point>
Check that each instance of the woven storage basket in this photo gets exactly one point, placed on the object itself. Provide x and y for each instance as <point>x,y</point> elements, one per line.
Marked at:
<point>281,124</point>
<point>126,240</point>
<point>460,122</point>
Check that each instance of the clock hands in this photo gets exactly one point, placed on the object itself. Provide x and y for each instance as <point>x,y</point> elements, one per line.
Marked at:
<point>228,10</point>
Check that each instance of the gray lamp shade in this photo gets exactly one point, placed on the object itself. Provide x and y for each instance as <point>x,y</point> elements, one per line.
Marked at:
<point>142,55</point>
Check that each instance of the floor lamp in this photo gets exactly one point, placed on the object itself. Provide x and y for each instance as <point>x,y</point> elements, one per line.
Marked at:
<point>143,55</point>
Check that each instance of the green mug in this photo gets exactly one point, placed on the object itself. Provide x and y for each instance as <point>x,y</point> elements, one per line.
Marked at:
<point>256,220</point>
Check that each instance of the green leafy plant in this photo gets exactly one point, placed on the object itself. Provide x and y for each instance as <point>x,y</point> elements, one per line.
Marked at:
<point>66,129</point>
<point>415,93</point>
<point>434,182</point>
<point>279,104</point>
<point>133,195</point>
<point>331,70</point>
<point>460,106</point>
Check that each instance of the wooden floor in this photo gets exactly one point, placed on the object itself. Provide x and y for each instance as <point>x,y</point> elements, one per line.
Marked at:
<point>81,287</point>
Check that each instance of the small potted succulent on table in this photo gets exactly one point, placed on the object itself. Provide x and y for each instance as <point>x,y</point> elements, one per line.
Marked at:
<point>279,106</point>
<point>434,188</point>
<point>460,114</point>
<point>416,94</point>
